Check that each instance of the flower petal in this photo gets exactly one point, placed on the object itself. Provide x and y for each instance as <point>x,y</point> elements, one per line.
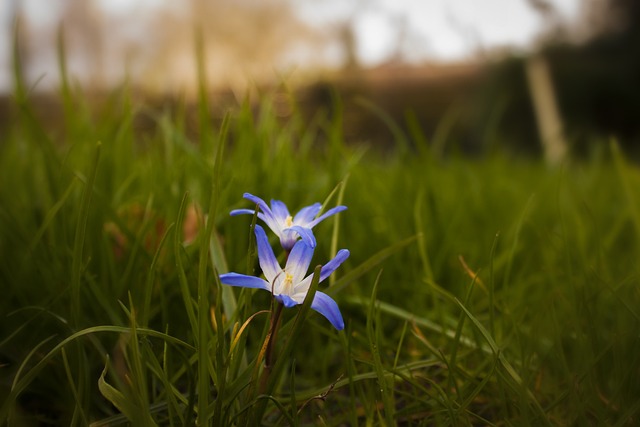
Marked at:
<point>268,262</point>
<point>258,201</point>
<point>280,211</point>
<point>244,281</point>
<point>327,214</point>
<point>325,305</point>
<point>288,239</point>
<point>267,216</point>
<point>286,300</point>
<point>306,215</point>
<point>240,211</point>
<point>298,261</point>
<point>331,266</point>
<point>305,233</point>
<point>301,288</point>
<point>246,211</point>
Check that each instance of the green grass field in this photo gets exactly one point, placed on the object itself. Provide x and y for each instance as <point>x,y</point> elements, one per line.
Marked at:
<point>485,291</point>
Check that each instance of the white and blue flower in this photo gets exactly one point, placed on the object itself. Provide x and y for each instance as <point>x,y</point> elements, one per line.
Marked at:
<point>286,226</point>
<point>289,286</point>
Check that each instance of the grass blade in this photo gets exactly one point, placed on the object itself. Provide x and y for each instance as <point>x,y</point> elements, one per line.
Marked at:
<point>148,289</point>
<point>374,346</point>
<point>137,415</point>
<point>184,283</point>
<point>79,239</point>
<point>512,376</point>
<point>21,383</point>
<point>336,225</point>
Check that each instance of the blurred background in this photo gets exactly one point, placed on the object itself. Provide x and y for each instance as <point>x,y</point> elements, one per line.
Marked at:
<point>543,77</point>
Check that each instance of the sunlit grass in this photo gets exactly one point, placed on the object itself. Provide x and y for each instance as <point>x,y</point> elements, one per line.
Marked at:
<point>486,291</point>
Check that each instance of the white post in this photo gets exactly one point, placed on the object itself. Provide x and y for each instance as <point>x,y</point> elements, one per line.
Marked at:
<point>546,110</point>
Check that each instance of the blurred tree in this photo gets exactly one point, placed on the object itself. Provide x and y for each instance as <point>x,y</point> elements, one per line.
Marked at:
<point>610,18</point>
<point>347,39</point>
<point>35,26</point>
<point>595,66</point>
<point>598,80</point>
<point>244,41</point>
<point>554,28</point>
<point>85,33</point>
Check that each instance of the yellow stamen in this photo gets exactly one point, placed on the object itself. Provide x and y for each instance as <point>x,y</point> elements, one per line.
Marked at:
<point>287,284</point>
<point>288,221</point>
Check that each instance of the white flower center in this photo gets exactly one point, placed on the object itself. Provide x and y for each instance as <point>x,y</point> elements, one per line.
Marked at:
<point>287,284</point>
<point>288,222</point>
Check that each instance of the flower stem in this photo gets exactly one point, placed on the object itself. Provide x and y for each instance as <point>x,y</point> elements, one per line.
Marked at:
<point>269,357</point>
<point>273,332</point>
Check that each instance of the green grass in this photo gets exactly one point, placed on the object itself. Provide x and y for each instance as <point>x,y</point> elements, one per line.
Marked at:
<point>486,291</point>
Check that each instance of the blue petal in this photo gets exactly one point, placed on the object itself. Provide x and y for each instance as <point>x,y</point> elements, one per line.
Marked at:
<point>325,305</point>
<point>268,262</point>
<point>302,287</point>
<point>288,239</point>
<point>246,211</point>
<point>305,233</point>
<point>306,215</point>
<point>331,266</point>
<point>258,201</point>
<point>267,216</point>
<point>328,213</point>
<point>240,211</point>
<point>244,281</point>
<point>286,300</point>
<point>280,211</point>
<point>298,261</point>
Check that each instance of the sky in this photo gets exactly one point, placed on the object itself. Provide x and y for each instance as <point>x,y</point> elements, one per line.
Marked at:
<point>440,30</point>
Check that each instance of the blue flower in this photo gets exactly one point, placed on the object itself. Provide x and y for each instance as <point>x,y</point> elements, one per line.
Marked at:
<point>288,227</point>
<point>289,285</point>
